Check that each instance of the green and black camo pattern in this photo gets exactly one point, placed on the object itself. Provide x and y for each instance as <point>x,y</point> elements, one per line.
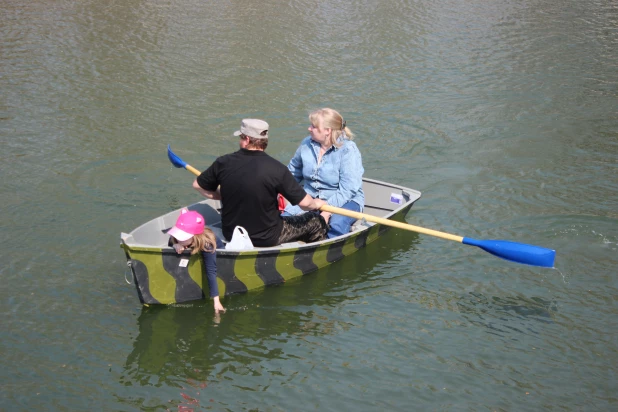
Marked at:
<point>160,278</point>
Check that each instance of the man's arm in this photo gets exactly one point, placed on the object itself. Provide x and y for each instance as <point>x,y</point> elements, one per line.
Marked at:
<point>309,203</point>
<point>216,195</point>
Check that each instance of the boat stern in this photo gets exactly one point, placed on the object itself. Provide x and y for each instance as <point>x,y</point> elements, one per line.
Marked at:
<point>161,276</point>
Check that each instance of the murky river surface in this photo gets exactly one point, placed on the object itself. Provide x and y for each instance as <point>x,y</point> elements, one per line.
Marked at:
<point>503,114</point>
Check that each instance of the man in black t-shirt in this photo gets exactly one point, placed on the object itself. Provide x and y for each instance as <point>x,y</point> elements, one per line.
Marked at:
<point>247,183</point>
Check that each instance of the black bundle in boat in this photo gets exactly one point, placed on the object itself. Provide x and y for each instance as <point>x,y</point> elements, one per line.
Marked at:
<point>310,226</point>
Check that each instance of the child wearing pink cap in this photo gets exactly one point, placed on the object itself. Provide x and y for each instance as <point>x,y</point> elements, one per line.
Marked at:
<point>190,232</point>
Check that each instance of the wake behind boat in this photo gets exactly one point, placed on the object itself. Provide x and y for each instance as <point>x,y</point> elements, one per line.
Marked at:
<point>161,276</point>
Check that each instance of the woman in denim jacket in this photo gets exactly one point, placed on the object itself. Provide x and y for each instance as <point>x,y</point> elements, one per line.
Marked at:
<point>329,165</point>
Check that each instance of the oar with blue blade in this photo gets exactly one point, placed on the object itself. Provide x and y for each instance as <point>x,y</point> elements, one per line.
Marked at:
<point>513,251</point>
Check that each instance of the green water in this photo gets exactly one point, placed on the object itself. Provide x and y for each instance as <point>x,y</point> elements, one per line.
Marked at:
<point>503,114</point>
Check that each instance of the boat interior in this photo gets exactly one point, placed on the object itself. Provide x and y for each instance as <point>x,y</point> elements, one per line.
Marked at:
<point>381,199</point>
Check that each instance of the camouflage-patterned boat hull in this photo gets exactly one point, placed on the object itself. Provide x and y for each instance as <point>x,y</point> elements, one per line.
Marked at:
<point>161,276</point>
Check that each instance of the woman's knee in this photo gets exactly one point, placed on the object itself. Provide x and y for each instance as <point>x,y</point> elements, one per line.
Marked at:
<point>339,225</point>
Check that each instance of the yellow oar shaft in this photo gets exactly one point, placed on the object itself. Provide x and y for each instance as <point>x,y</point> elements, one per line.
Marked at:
<point>371,218</point>
<point>193,170</point>
<point>387,222</point>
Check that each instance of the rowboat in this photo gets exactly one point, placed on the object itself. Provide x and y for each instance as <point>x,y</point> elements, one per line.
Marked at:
<point>161,276</point>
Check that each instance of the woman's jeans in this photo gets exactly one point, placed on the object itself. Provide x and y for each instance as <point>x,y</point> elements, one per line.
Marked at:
<point>340,225</point>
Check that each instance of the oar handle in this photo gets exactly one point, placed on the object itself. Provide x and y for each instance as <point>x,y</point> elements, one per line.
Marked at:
<point>387,222</point>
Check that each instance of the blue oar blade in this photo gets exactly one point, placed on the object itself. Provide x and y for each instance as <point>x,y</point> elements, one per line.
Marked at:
<point>176,161</point>
<point>516,252</point>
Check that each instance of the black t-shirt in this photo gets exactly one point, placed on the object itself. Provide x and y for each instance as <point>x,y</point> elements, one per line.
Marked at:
<point>250,181</point>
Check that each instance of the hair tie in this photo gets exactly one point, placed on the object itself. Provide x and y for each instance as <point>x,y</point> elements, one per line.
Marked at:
<point>342,124</point>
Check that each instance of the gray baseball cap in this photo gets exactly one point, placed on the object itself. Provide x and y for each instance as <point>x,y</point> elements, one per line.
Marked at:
<point>255,128</point>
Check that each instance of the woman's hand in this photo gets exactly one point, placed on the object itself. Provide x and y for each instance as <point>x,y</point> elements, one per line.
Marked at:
<point>218,306</point>
<point>179,248</point>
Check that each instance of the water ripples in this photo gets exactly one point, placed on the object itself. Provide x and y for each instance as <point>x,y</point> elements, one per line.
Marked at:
<point>502,114</point>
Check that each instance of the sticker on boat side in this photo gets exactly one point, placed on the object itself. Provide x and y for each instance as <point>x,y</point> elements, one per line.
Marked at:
<point>396,198</point>
<point>183,263</point>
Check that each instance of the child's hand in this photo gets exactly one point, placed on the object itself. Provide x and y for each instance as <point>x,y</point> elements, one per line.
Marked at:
<point>218,306</point>
<point>179,248</point>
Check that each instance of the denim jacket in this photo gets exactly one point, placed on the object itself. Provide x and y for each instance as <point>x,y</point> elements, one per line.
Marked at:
<point>337,179</point>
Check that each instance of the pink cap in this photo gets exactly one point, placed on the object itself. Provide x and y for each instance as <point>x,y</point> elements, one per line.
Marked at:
<point>189,223</point>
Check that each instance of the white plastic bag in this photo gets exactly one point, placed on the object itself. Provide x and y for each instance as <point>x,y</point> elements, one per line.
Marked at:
<point>240,240</point>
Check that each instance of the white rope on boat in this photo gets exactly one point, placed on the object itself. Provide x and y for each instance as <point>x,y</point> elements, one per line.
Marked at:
<point>131,271</point>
